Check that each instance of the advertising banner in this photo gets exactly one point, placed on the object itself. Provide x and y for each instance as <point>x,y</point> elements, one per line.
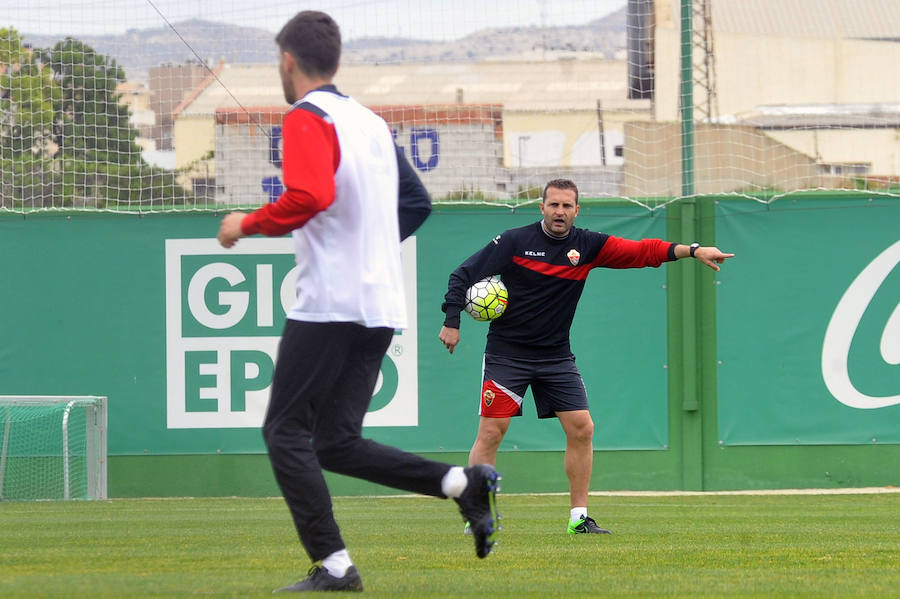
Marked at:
<point>809,322</point>
<point>181,335</point>
<point>224,314</point>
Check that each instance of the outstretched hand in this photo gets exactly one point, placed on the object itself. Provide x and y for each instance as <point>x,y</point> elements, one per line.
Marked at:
<point>711,256</point>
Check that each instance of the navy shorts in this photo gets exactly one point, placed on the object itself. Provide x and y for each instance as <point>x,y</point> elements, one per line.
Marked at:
<point>556,385</point>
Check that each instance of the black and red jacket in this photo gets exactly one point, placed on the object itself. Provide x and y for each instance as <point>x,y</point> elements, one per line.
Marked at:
<point>545,277</point>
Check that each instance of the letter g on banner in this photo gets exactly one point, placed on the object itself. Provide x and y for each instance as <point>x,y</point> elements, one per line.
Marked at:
<point>843,325</point>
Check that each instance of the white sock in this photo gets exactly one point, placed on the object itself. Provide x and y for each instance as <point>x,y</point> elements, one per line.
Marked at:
<point>337,563</point>
<point>577,513</point>
<point>454,482</point>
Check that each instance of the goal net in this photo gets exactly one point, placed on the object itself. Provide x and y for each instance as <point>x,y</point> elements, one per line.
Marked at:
<point>177,106</point>
<point>52,448</point>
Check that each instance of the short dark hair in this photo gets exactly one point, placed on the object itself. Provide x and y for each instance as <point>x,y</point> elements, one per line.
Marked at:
<point>560,184</point>
<point>314,40</point>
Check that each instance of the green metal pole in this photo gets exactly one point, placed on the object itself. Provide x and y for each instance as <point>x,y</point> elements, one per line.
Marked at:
<point>689,400</point>
<point>687,100</point>
<point>690,353</point>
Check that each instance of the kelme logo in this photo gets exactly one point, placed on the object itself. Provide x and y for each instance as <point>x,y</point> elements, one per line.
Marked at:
<point>225,311</point>
<point>844,325</point>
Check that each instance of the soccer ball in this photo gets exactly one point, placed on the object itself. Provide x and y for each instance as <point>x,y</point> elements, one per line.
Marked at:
<point>486,299</point>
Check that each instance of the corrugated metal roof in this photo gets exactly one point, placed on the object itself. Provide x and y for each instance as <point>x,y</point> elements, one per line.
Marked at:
<point>824,116</point>
<point>872,19</point>
<point>552,85</point>
<point>456,114</point>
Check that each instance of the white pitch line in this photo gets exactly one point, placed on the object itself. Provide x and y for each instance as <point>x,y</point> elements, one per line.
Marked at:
<point>843,491</point>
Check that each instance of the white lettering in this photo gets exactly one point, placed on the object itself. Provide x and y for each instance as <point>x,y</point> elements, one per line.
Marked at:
<point>236,301</point>
<point>890,340</point>
<point>843,325</point>
<point>289,290</point>
<point>264,312</point>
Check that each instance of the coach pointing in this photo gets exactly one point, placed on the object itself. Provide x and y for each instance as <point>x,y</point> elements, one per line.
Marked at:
<point>544,266</point>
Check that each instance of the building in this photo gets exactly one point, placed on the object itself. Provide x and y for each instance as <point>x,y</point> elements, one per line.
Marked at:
<point>438,142</point>
<point>169,84</point>
<point>811,76</point>
<point>786,77</point>
<point>485,130</point>
<point>136,96</point>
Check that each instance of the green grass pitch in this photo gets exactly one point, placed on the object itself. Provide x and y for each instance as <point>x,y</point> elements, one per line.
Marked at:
<point>671,546</point>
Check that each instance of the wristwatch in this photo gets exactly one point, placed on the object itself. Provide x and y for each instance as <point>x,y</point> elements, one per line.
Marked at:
<point>694,247</point>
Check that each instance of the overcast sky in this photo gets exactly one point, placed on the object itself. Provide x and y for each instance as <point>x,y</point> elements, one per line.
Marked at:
<point>422,19</point>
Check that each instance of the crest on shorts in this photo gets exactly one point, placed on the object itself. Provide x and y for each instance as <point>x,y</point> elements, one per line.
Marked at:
<point>488,396</point>
<point>574,256</point>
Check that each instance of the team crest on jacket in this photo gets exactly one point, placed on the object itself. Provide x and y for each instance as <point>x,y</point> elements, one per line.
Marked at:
<point>574,256</point>
<point>488,397</point>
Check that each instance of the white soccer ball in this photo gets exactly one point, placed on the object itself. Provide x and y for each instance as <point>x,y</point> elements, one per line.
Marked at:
<point>487,299</point>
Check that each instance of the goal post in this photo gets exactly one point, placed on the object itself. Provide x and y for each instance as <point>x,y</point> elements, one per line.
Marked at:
<point>53,447</point>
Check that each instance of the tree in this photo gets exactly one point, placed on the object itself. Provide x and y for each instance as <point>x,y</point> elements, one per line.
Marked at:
<point>65,140</point>
<point>27,95</point>
<point>96,137</point>
<point>95,126</point>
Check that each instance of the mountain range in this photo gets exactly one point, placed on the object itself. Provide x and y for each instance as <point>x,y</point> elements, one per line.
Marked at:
<point>198,40</point>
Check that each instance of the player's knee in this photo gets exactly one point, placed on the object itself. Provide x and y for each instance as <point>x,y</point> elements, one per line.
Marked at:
<point>490,436</point>
<point>279,437</point>
<point>290,451</point>
<point>270,433</point>
<point>336,454</point>
<point>582,432</point>
<point>329,458</point>
<point>587,432</point>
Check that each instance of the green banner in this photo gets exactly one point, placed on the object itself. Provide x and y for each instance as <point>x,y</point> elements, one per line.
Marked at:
<point>809,322</point>
<point>181,334</point>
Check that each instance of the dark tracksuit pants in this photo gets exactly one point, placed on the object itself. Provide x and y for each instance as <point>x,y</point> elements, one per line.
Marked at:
<point>324,377</point>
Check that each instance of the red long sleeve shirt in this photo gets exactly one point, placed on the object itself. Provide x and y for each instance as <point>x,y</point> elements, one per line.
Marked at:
<point>310,156</point>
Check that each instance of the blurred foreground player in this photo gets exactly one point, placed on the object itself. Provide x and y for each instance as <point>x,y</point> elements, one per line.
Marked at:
<point>343,176</point>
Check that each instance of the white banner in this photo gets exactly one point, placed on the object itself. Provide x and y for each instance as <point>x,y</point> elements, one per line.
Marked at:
<point>224,315</point>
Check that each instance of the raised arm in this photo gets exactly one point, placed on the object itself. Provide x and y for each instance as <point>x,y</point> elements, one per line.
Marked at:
<point>618,252</point>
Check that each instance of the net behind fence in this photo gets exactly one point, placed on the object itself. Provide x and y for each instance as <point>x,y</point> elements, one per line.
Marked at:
<point>52,448</point>
<point>147,105</point>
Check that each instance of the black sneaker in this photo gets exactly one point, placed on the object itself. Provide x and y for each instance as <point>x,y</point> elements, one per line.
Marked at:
<point>478,506</point>
<point>586,525</point>
<point>318,579</point>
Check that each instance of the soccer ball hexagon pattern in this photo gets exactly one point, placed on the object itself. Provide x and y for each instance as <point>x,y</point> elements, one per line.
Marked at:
<point>487,299</point>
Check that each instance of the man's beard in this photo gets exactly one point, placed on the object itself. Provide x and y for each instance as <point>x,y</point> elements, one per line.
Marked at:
<point>289,95</point>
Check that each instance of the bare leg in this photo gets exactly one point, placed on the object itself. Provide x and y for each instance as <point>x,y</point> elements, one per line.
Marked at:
<point>579,429</point>
<point>490,434</point>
